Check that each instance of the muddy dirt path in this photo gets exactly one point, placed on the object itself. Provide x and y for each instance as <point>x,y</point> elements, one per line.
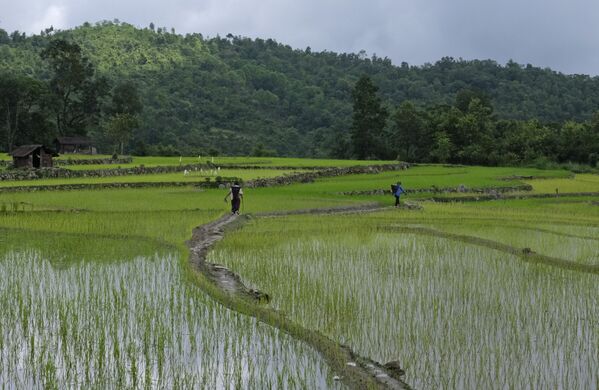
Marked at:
<point>357,209</point>
<point>353,370</point>
<point>202,240</point>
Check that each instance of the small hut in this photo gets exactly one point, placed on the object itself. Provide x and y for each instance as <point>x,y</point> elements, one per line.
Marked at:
<point>66,145</point>
<point>32,156</point>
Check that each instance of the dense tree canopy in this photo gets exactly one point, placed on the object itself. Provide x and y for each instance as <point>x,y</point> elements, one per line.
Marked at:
<point>235,95</point>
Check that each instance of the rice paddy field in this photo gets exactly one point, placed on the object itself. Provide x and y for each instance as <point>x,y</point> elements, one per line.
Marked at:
<point>150,161</point>
<point>135,324</point>
<point>456,314</point>
<point>199,176</point>
<point>98,292</point>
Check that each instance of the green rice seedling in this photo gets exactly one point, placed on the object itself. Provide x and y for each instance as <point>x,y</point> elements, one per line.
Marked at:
<point>456,315</point>
<point>549,227</point>
<point>186,200</point>
<point>579,183</point>
<point>427,176</point>
<point>430,301</point>
<point>538,238</point>
<point>128,324</point>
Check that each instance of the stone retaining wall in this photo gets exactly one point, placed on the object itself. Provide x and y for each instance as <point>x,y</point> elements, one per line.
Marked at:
<point>284,167</point>
<point>48,173</point>
<point>93,161</point>
<point>225,182</point>
<point>519,177</point>
<point>57,172</point>
<point>459,189</point>
<point>308,177</point>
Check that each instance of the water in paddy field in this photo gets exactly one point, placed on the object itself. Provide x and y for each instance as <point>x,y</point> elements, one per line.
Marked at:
<point>135,324</point>
<point>456,316</point>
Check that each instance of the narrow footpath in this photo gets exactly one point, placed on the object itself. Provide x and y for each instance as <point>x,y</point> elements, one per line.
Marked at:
<point>227,288</point>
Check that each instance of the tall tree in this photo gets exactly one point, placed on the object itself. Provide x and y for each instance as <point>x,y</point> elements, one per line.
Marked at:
<point>442,147</point>
<point>76,91</point>
<point>124,110</point>
<point>411,137</point>
<point>579,142</point>
<point>475,138</point>
<point>368,120</point>
<point>120,129</point>
<point>4,38</point>
<point>20,97</point>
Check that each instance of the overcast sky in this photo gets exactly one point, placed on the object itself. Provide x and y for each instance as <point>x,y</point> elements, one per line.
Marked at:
<point>560,34</point>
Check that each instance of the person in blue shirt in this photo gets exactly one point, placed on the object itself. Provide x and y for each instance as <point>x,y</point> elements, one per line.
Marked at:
<point>397,191</point>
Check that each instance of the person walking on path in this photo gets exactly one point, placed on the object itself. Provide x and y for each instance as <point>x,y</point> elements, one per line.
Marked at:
<point>236,194</point>
<point>397,190</point>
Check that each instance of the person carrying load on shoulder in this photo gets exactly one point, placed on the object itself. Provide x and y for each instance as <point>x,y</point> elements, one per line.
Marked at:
<point>236,194</point>
<point>397,190</point>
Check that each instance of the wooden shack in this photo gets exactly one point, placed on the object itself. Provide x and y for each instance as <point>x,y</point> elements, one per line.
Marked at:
<point>79,144</point>
<point>32,156</point>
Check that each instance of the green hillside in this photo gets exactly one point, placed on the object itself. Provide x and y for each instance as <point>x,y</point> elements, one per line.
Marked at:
<point>236,95</point>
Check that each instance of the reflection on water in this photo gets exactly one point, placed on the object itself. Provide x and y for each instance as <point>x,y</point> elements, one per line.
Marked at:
<point>67,249</point>
<point>135,324</point>
<point>457,316</point>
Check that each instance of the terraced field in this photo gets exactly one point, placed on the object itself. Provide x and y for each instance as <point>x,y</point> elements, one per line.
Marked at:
<point>458,312</point>
<point>99,291</point>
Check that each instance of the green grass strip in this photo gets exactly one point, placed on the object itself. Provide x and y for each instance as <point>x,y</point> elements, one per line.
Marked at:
<point>523,253</point>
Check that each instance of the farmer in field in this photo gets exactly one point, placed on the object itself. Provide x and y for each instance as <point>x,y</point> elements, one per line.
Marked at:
<point>236,194</point>
<point>397,190</point>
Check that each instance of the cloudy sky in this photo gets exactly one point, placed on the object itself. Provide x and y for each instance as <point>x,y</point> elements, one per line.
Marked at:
<point>560,34</point>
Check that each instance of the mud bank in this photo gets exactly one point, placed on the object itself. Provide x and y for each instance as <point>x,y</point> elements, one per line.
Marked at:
<point>227,288</point>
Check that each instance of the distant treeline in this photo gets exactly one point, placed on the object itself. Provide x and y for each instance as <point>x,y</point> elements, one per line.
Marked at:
<point>152,91</point>
<point>467,132</point>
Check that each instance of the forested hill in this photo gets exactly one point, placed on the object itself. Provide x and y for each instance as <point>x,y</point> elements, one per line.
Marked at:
<point>231,94</point>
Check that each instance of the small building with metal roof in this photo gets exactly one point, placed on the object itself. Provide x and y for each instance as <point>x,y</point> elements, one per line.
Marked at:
<point>78,144</point>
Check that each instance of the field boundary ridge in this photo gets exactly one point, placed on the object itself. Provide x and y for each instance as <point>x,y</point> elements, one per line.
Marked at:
<point>223,286</point>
